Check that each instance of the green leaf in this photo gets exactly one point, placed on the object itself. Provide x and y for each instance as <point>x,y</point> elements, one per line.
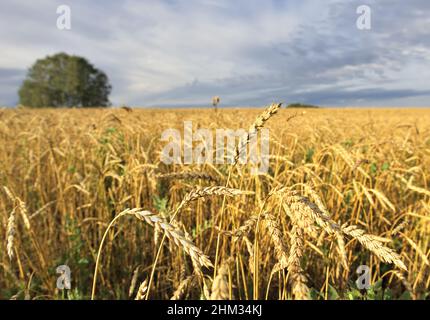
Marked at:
<point>385,166</point>
<point>309,154</point>
<point>315,295</point>
<point>373,168</point>
<point>332,293</point>
<point>405,296</point>
<point>348,143</point>
<point>354,294</point>
<point>160,204</point>
<point>388,294</point>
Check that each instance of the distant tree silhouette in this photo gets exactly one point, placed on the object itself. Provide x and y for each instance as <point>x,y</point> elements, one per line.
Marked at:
<point>62,80</point>
<point>301,105</point>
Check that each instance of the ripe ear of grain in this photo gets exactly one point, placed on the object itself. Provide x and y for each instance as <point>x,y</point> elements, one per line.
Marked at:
<point>220,286</point>
<point>11,230</point>
<point>142,291</point>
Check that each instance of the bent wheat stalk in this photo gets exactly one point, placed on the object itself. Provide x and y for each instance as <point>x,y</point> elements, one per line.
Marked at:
<point>174,234</point>
<point>253,130</point>
<point>370,242</point>
<point>192,196</point>
<point>255,127</point>
<point>374,245</point>
<point>187,175</point>
<point>209,191</point>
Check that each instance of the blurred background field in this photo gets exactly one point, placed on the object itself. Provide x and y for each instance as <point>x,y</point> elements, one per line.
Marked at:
<point>69,172</point>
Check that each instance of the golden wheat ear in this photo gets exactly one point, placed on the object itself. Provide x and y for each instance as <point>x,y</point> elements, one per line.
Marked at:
<point>243,230</point>
<point>181,291</point>
<point>275,230</point>
<point>142,291</point>
<point>133,281</point>
<point>210,191</point>
<point>174,234</point>
<point>370,242</point>
<point>220,286</point>
<point>10,238</point>
<point>255,127</point>
<point>373,244</point>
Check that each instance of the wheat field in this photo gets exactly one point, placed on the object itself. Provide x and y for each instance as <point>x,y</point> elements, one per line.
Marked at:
<point>86,188</point>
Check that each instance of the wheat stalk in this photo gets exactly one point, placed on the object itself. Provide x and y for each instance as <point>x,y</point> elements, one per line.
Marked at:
<point>307,224</point>
<point>210,191</point>
<point>21,206</point>
<point>255,127</point>
<point>250,249</point>
<point>24,213</point>
<point>192,196</point>
<point>399,228</point>
<point>300,289</point>
<point>9,194</point>
<point>142,291</point>
<point>174,234</point>
<point>10,238</point>
<point>216,190</point>
<point>370,242</point>
<point>253,130</point>
<point>11,225</point>
<point>317,213</point>
<point>244,229</point>
<point>133,281</point>
<point>220,286</point>
<point>182,289</point>
<point>374,245</point>
<point>299,222</point>
<point>188,176</point>
<point>281,250</point>
<point>416,248</point>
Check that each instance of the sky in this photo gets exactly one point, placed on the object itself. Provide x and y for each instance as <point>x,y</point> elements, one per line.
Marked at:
<point>248,52</point>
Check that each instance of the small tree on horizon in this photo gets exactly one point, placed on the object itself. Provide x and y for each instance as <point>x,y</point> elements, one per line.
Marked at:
<point>62,80</point>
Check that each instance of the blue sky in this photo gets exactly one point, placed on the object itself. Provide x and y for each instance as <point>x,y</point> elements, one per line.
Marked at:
<point>249,52</point>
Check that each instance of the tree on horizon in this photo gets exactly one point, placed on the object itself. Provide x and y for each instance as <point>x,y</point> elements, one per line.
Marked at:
<point>63,80</point>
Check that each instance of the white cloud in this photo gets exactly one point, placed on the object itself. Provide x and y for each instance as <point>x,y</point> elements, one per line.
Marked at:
<point>182,52</point>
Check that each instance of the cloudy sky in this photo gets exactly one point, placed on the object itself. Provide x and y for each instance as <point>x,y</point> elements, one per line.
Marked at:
<point>249,52</point>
